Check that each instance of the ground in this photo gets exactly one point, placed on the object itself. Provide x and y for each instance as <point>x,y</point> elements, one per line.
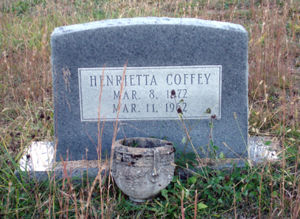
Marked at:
<point>26,114</point>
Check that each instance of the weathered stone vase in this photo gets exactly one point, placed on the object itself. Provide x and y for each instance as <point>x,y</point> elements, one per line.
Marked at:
<point>142,166</point>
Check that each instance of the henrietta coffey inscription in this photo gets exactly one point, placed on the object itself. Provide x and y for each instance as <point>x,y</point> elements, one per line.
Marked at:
<point>151,92</point>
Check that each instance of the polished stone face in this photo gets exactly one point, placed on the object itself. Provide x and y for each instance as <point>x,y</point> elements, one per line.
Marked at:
<point>150,93</point>
<point>195,67</point>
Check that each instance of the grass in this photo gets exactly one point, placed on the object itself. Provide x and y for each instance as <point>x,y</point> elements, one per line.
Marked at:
<point>26,114</point>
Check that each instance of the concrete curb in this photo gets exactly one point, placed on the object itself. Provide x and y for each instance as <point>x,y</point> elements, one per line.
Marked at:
<point>39,160</point>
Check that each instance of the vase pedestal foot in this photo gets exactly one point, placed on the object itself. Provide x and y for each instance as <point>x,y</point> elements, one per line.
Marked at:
<point>138,200</point>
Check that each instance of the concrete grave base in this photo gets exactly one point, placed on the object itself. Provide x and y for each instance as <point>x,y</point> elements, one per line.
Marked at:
<point>39,160</point>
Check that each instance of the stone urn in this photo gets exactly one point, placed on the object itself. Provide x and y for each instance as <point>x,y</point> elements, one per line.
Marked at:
<point>142,166</point>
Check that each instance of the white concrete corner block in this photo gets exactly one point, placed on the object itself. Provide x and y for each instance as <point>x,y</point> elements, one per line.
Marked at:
<point>38,157</point>
<point>263,148</point>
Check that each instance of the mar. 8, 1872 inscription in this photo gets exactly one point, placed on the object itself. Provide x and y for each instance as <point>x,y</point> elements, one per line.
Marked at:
<point>149,92</point>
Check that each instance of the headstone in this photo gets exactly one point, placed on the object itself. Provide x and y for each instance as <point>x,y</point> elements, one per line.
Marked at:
<point>181,72</point>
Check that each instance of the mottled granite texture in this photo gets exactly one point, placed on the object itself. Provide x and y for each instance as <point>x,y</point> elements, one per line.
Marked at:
<point>150,42</point>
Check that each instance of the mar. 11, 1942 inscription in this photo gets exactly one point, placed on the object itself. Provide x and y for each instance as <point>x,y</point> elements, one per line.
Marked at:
<point>149,92</point>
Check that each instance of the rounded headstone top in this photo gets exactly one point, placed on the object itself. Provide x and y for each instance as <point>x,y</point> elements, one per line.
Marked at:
<point>147,21</point>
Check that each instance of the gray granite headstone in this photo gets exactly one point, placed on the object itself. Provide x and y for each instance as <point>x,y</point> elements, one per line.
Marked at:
<point>204,62</point>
